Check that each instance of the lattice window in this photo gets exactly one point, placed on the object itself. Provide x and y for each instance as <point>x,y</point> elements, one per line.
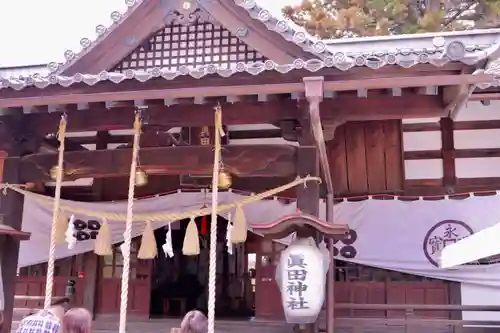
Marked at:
<point>199,44</point>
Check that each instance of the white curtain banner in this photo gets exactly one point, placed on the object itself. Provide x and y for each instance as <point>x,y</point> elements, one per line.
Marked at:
<point>37,219</point>
<point>390,234</point>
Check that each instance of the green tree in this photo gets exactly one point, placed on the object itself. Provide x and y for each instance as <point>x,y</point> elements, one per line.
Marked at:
<point>353,18</point>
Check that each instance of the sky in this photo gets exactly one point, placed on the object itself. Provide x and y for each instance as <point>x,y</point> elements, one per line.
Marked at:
<point>34,32</point>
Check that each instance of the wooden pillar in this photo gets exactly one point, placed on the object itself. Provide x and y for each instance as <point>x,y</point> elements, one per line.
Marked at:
<point>314,90</point>
<point>447,151</point>
<point>449,183</point>
<point>92,272</point>
<point>91,267</point>
<point>11,211</point>
<point>330,276</point>
<point>308,196</point>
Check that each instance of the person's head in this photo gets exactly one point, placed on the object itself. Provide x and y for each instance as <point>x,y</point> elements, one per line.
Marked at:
<point>194,322</point>
<point>58,307</point>
<point>77,320</point>
<point>57,311</point>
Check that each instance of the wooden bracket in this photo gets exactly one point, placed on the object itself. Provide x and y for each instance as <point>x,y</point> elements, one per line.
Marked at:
<point>314,94</point>
<point>455,97</point>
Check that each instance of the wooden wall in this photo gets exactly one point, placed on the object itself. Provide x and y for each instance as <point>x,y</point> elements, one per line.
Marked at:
<point>366,157</point>
<point>453,156</point>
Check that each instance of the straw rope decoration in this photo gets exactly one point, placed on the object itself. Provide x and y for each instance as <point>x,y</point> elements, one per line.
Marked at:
<point>49,286</point>
<point>127,235</point>
<point>158,216</point>
<point>219,133</point>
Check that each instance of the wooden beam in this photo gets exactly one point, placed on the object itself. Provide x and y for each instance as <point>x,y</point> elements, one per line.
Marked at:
<point>457,95</point>
<point>175,137</point>
<point>463,185</point>
<point>348,108</point>
<point>117,188</point>
<point>457,126</point>
<point>485,96</point>
<point>457,153</point>
<point>242,160</point>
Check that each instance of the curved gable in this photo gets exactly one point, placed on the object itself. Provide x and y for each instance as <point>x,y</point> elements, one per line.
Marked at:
<point>202,42</point>
<point>143,18</point>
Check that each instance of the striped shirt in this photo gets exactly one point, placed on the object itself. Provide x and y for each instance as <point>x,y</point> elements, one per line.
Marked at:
<point>41,322</point>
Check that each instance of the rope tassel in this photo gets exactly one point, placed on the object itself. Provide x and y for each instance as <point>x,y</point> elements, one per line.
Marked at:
<point>148,249</point>
<point>239,232</point>
<point>191,245</point>
<point>62,225</point>
<point>102,245</point>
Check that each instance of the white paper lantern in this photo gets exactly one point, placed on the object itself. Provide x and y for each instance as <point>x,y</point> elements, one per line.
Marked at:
<point>301,277</point>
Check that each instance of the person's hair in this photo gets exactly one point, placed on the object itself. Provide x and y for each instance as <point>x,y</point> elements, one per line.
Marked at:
<point>194,322</point>
<point>77,320</point>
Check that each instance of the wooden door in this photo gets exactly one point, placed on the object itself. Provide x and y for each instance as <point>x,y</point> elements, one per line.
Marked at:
<point>359,293</point>
<point>267,295</point>
<point>109,287</point>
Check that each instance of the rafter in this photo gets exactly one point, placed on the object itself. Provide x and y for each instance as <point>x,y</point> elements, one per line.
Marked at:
<point>241,84</point>
<point>349,108</point>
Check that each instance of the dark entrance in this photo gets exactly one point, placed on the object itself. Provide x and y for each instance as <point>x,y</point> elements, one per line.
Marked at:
<point>180,283</point>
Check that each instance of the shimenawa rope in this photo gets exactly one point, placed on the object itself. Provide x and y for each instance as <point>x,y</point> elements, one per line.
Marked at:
<point>49,286</point>
<point>159,216</point>
<point>127,235</point>
<point>213,222</point>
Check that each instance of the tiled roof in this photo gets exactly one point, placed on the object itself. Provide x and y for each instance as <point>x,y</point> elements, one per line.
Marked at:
<point>406,60</point>
<point>469,47</point>
<point>412,45</point>
<point>102,32</point>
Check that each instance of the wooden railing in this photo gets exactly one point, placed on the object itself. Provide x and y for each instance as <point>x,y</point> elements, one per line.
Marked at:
<point>407,319</point>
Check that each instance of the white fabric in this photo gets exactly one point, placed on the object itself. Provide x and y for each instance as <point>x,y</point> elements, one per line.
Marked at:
<point>481,245</point>
<point>70,232</point>
<point>390,233</point>
<point>37,219</point>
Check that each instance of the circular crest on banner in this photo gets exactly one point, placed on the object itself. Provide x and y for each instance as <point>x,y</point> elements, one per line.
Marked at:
<point>443,234</point>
